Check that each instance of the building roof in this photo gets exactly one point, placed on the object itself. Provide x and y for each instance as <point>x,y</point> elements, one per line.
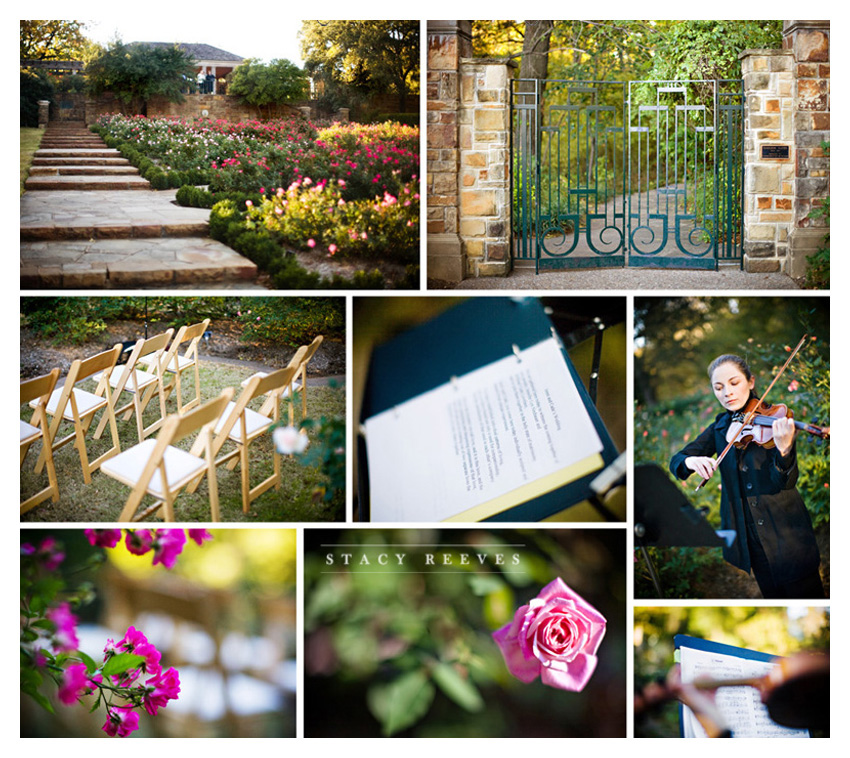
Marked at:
<point>198,50</point>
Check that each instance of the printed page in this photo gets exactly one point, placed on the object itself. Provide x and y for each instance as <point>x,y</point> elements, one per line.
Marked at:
<point>745,714</point>
<point>478,437</point>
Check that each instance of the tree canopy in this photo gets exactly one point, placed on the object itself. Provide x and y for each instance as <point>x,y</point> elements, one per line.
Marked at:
<point>369,56</point>
<point>134,73</point>
<point>53,40</point>
<point>267,84</point>
<point>637,49</point>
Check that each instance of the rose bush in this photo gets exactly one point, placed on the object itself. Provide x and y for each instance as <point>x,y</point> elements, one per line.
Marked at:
<point>129,677</point>
<point>555,636</point>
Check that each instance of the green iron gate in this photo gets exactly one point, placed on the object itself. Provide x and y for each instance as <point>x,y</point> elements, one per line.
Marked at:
<point>640,173</point>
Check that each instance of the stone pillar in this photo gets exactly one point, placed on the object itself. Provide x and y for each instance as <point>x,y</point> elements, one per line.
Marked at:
<point>809,43</point>
<point>448,42</point>
<point>43,113</point>
<point>485,210</point>
<point>769,155</point>
<point>342,115</point>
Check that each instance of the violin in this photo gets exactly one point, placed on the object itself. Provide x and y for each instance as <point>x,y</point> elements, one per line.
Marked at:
<point>757,405</point>
<point>759,428</point>
<point>795,693</point>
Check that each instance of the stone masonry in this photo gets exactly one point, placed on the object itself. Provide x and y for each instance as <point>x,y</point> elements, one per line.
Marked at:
<point>769,158</point>
<point>485,211</point>
<point>787,172</point>
<point>448,41</point>
<point>809,41</point>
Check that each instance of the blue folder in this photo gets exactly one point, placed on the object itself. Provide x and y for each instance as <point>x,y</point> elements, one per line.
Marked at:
<point>475,333</point>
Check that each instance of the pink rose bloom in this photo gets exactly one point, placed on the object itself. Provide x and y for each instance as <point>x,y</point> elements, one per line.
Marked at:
<point>168,544</point>
<point>65,636</point>
<point>139,541</point>
<point>121,721</point>
<point>555,636</point>
<point>160,689</point>
<point>136,643</point>
<point>74,683</point>
<point>199,535</point>
<point>103,537</point>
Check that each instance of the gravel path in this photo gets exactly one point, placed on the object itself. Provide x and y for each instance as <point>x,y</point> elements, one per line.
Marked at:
<point>624,279</point>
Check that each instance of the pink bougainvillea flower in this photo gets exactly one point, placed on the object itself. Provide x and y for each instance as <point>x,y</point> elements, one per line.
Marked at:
<point>160,689</point>
<point>199,535</point>
<point>555,636</point>
<point>121,721</point>
<point>103,537</point>
<point>168,544</point>
<point>793,386</point>
<point>65,636</point>
<point>311,242</point>
<point>74,683</point>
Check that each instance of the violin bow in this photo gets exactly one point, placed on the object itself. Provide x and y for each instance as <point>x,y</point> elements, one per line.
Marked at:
<point>752,414</point>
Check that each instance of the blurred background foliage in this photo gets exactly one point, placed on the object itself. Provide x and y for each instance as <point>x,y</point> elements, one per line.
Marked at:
<point>287,321</point>
<point>675,341</point>
<point>224,616</point>
<point>400,651</point>
<point>775,631</point>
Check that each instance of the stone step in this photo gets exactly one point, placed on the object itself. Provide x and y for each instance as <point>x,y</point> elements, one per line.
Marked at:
<point>80,161</point>
<point>116,264</point>
<point>74,170</point>
<point>38,183</point>
<point>111,229</point>
<point>77,152</point>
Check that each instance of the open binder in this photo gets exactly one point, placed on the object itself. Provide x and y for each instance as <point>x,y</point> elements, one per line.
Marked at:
<point>742,708</point>
<point>478,415</point>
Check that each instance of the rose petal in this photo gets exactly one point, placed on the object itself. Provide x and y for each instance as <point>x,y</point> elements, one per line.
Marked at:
<point>574,678</point>
<point>524,669</point>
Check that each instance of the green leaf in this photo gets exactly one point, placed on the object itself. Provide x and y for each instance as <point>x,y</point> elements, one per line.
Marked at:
<point>91,666</point>
<point>402,702</point>
<point>484,584</point>
<point>122,662</point>
<point>458,688</point>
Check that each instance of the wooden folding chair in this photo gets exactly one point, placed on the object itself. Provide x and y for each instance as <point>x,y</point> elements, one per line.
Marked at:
<point>70,403</point>
<point>158,468</point>
<point>128,378</point>
<point>38,390</point>
<point>300,386</point>
<point>176,364</point>
<point>241,425</point>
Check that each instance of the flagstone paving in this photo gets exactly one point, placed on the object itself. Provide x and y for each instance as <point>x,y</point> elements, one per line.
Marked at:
<point>82,229</point>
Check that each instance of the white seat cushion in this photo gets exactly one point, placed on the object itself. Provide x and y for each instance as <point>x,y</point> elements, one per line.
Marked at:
<point>178,363</point>
<point>127,467</point>
<point>87,403</point>
<point>296,387</point>
<point>142,377</point>
<point>254,423</point>
<point>28,431</point>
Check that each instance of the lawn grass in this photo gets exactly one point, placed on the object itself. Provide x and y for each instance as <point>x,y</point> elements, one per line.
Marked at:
<point>30,140</point>
<point>103,499</point>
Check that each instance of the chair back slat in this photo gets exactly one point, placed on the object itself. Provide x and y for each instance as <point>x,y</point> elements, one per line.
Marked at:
<point>104,361</point>
<point>199,417</point>
<point>277,380</point>
<point>40,386</point>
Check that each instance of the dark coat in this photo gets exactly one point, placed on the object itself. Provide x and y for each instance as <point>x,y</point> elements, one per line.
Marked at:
<point>767,485</point>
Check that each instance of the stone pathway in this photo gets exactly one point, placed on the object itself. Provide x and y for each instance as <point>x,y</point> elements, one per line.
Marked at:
<point>82,227</point>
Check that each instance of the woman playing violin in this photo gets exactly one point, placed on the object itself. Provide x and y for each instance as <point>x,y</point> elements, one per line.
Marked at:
<point>759,499</point>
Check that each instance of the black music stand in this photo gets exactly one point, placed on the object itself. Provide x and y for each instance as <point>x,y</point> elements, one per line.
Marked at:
<point>665,518</point>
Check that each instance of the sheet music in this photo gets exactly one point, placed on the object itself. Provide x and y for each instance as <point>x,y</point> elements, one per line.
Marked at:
<point>746,715</point>
<point>478,437</point>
